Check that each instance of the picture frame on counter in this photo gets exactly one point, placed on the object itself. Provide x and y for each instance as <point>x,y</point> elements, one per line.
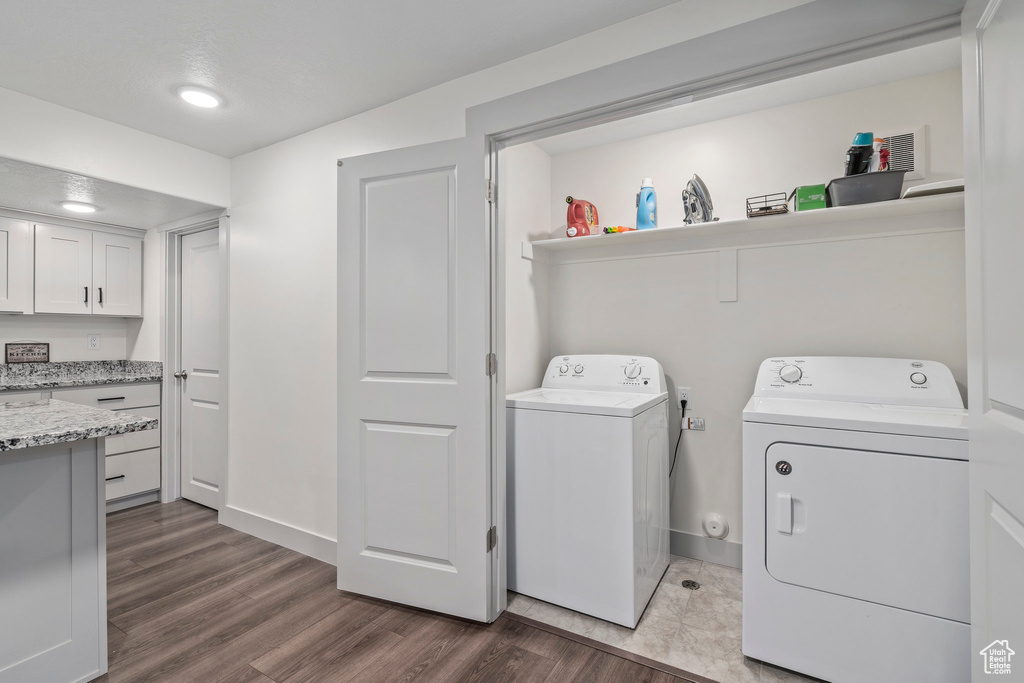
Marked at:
<point>27,352</point>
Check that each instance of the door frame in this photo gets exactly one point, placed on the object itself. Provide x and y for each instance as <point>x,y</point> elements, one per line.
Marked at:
<point>610,93</point>
<point>170,264</point>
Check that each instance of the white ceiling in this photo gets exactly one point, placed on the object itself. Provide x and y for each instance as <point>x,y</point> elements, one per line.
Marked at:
<point>896,66</point>
<point>41,190</point>
<point>283,68</point>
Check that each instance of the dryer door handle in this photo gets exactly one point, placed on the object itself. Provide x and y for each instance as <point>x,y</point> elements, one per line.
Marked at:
<point>784,513</point>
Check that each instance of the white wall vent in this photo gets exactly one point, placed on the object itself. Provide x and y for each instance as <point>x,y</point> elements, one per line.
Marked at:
<point>908,151</point>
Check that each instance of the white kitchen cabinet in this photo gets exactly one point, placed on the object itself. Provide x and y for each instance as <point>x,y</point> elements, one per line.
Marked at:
<point>132,473</point>
<point>15,266</point>
<point>63,270</point>
<point>112,396</point>
<point>133,459</point>
<point>84,272</point>
<point>116,274</point>
<point>137,441</point>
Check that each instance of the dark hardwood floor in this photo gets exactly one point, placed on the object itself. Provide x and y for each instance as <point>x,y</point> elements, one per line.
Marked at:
<point>189,600</point>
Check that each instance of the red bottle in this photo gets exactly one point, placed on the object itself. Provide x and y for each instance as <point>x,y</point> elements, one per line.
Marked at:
<point>580,217</point>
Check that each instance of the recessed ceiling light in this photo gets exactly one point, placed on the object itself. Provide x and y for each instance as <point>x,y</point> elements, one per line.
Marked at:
<point>78,207</point>
<point>199,97</point>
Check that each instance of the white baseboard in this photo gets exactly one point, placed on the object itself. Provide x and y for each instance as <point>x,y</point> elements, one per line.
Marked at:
<point>293,538</point>
<point>326,549</point>
<point>712,550</point>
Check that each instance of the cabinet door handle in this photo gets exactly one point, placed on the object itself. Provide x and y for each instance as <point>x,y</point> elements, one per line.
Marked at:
<point>101,296</point>
<point>120,476</point>
<point>86,295</point>
<point>112,398</point>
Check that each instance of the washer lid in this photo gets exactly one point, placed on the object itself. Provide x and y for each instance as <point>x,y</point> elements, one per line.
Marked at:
<point>943,423</point>
<point>609,403</point>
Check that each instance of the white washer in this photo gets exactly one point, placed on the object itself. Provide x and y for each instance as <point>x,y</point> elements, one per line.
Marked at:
<point>855,527</point>
<point>588,486</point>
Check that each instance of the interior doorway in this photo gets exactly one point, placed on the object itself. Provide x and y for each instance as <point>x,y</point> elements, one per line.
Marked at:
<point>198,373</point>
<point>195,361</point>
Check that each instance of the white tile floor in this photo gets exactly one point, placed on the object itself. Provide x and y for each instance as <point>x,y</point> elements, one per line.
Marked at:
<point>698,631</point>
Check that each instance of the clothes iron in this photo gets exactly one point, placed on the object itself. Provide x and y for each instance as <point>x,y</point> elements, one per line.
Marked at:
<point>697,202</point>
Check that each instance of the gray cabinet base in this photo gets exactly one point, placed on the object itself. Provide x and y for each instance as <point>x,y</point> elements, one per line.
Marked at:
<point>53,568</point>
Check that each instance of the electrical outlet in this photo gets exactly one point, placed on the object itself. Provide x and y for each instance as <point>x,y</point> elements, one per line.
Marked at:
<point>94,342</point>
<point>683,394</point>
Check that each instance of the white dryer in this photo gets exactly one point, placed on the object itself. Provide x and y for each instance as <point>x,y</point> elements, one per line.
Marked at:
<point>588,486</point>
<point>855,520</point>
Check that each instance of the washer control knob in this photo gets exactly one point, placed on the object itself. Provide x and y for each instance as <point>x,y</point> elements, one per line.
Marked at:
<point>633,370</point>
<point>578,369</point>
<point>918,378</point>
<point>790,373</point>
<point>563,368</point>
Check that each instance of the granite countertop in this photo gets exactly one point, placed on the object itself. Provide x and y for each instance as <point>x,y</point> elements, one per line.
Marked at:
<point>28,376</point>
<point>24,424</point>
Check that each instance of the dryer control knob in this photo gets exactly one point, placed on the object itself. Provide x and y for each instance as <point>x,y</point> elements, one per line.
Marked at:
<point>790,373</point>
<point>918,378</point>
<point>633,370</point>
<point>563,368</point>
<point>578,369</point>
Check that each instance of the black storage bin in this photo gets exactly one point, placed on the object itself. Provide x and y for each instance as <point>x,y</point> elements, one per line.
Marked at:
<point>865,188</point>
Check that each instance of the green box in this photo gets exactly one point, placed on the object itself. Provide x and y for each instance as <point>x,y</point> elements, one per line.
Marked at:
<point>809,197</point>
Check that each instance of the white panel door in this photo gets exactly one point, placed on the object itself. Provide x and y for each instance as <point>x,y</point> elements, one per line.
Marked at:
<point>116,274</point>
<point>15,266</point>
<point>414,394</point>
<point>63,270</point>
<point>202,439</point>
<point>993,51</point>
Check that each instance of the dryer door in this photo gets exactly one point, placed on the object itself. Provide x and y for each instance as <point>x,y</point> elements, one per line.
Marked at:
<point>881,527</point>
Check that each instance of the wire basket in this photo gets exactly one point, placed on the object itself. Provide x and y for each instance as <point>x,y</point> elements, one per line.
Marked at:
<point>767,205</point>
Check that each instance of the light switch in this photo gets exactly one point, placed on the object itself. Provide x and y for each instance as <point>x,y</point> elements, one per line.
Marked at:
<point>94,342</point>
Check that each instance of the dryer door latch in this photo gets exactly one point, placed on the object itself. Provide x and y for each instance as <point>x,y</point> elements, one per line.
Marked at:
<point>784,513</point>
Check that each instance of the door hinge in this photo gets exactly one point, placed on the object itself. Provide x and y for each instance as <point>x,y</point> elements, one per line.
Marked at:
<point>492,538</point>
<point>492,364</point>
<point>491,190</point>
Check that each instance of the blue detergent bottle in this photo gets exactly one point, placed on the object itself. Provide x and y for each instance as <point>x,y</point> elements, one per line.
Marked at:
<point>646,206</point>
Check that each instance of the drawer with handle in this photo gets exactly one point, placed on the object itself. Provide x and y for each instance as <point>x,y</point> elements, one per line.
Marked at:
<point>135,441</point>
<point>112,396</point>
<point>130,473</point>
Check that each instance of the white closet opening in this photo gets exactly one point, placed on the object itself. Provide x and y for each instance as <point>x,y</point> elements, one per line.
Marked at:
<point>711,304</point>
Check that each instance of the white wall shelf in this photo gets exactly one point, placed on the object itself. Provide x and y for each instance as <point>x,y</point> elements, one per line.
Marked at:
<point>937,213</point>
